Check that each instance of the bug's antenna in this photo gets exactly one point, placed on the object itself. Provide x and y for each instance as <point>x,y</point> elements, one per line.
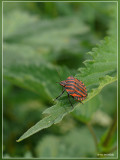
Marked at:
<point>58,73</point>
<point>70,73</point>
<point>59,76</point>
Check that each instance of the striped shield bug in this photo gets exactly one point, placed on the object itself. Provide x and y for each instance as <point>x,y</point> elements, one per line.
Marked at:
<point>75,88</point>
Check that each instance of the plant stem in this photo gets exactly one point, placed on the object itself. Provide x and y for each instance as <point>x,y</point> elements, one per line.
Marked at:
<point>113,149</point>
<point>110,132</point>
<point>93,134</point>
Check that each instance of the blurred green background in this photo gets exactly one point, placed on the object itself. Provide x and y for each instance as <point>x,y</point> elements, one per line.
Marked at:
<point>57,34</point>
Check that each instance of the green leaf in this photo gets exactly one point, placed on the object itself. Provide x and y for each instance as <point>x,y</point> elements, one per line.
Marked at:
<point>58,111</point>
<point>40,79</point>
<point>103,63</point>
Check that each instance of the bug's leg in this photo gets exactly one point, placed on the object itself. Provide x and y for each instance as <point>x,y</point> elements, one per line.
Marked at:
<point>77,100</point>
<point>80,102</point>
<point>70,101</point>
<point>60,94</point>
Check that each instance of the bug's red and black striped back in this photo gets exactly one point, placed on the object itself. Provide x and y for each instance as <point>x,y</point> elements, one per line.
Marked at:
<point>76,88</point>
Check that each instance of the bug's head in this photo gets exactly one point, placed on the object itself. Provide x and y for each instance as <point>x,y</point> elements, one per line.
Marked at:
<point>63,83</point>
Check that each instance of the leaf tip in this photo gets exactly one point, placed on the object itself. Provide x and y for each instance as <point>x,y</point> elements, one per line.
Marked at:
<point>18,140</point>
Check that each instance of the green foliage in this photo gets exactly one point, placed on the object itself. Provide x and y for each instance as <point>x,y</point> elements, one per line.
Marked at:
<point>40,31</point>
<point>110,99</point>
<point>72,145</point>
<point>36,80</point>
<point>85,112</point>
<point>103,62</point>
<point>57,39</point>
<point>90,76</point>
